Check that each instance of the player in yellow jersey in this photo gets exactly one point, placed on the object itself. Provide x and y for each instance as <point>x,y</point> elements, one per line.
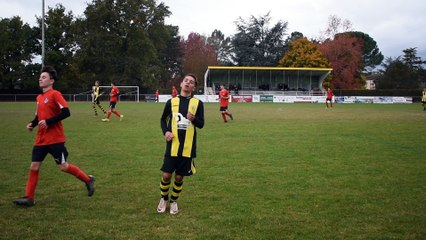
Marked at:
<point>181,116</point>
<point>424,99</point>
<point>95,96</point>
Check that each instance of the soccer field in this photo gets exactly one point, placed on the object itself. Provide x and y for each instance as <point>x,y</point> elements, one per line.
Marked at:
<point>278,171</point>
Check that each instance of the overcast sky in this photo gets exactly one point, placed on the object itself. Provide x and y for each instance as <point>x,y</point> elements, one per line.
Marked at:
<point>394,24</point>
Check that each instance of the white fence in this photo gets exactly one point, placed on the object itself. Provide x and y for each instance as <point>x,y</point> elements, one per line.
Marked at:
<point>77,97</point>
<point>214,98</point>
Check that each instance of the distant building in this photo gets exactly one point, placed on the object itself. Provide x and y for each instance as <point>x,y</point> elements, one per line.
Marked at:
<point>265,80</point>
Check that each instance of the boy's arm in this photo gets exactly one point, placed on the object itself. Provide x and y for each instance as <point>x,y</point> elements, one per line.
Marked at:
<point>34,122</point>
<point>65,112</point>
<point>199,116</point>
<point>165,116</point>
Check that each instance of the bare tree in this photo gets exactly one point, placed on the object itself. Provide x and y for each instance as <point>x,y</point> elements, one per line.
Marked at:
<point>335,25</point>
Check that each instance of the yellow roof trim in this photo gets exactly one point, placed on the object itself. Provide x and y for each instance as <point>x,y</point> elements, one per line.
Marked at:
<point>267,68</point>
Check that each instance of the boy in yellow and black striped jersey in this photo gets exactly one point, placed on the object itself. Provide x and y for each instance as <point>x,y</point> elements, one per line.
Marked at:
<point>424,99</point>
<point>181,116</point>
<point>95,95</point>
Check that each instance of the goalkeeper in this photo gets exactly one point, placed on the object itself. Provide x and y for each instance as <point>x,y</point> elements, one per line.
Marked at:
<point>95,97</point>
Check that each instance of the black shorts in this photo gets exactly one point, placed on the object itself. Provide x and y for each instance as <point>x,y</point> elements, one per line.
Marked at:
<point>96,101</point>
<point>328,99</point>
<point>223,109</point>
<point>57,150</point>
<point>112,104</point>
<point>181,165</point>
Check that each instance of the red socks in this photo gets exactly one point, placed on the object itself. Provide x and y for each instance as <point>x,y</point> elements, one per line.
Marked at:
<point>224,117</point>
<point>73,170</point>
<point>115,112</point>
<point>31,184</point>
<point>33,179</point>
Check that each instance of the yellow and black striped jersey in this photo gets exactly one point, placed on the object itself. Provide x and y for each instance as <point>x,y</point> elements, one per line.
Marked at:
<point>95,92</point>
<point>184,132</point>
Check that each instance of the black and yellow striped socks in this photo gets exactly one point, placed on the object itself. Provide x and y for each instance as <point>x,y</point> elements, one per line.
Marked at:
<point>96,112</point>
<point>94,109</point>
<point>164,188</point>
<point>177,188</point>
<point>103,110</point>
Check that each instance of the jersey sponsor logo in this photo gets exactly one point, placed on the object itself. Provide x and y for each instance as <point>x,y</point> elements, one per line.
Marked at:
<point>46,100</point>
<point>182,122</point>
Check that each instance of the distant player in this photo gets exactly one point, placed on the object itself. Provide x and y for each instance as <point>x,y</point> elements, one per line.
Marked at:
<point>157,95</point>
<point>424,99</point>
<point>113,99</point>
<point>181,116</point>
<point>51,110</point>
<point>95,95</point>
<point>224,101</point>
<point>174,92</point>
<point>329,98</point>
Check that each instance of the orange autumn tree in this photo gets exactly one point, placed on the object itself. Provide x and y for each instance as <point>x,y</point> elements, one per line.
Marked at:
<point>303,53</point>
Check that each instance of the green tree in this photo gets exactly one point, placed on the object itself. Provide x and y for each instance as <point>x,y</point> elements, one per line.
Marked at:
<point>222,45</point>
<point>397,75</point>
<point>255,44</point>
<point>412,60</point>
<point>126,41</point>
<point>404,72</point>
<point>59,42</point>
<point>371,55</point>
<point>17,46</point>
<point>171,56</point>
<point>294,36</point>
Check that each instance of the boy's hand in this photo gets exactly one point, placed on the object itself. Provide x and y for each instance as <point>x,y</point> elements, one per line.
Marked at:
<point>168,136</point>
<point>190,117</point>
<point>30,127</point>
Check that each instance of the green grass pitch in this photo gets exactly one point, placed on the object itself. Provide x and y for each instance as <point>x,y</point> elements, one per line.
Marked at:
<point>278,171</point>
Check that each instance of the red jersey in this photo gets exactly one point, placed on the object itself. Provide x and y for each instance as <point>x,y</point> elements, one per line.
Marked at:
<point>224,98</point>
<point>49,104</point>
<point>174,92</point>
<point>114,94</point>
<point>329,94</point>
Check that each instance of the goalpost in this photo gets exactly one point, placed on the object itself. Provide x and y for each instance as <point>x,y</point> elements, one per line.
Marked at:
<point>127,93</point>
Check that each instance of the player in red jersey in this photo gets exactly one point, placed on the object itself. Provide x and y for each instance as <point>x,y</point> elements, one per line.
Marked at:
<point>174,92</point>
<point>157,95</point>
<point>224,100</point>
<point>51,110</point>
<point>115,92</point>
<point>329,98</point>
